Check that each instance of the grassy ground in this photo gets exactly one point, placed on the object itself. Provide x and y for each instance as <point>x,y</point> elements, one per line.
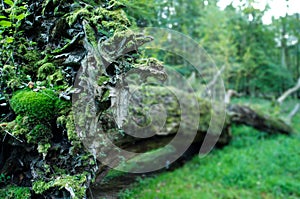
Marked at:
<point>254,165</point>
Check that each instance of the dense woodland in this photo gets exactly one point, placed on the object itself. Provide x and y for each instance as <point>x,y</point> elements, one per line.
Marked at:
<point>49,48</point>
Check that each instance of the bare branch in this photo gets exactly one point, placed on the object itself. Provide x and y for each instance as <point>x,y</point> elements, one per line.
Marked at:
<point>230,93</point>
<point>211,84</point>
<point>293,113</point>
<point>289,92</point>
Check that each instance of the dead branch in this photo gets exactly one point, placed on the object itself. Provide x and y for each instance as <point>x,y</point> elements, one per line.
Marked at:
<point>293,113</point>
<point>231,93</point>
<point>288,92</point>
<point>212,83</point>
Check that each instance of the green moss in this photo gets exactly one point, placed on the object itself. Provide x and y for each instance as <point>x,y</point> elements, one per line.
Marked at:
<point>113,25</point>
<point>68,123</point>
<point>41,133</point>
<point>79,13</point>
<point>62,107</point>
<point>35,111</point>
<point>36,105</point>
<point>13,192</point>
<point>45,70</point>
<point>115,19</point>
<point>172,98</point>
<point>68,182</point>
<point>90,34</point>
<point>43,148</point>
<point>8,72</point>
<point>40,186</point>
<point>102,79</point>
<point>32,130</point>
<point>18,126</point>
<point>56,79</point>
<point>44,60</point>
<point>72,134</point>
<point>31,57</point>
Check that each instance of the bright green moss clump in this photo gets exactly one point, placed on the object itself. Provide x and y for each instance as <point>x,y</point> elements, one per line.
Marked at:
<point>34,110</point>
<point>36,105</point>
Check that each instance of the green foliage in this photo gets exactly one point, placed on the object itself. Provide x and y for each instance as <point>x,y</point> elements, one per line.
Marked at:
<point>4,179</point>
<point>10,20</point>
<point>43,148</point>
<point>33,130</point>
<point>9,78</point>
<point>40,55</point>
<point>8,72</point>
<point>103,20</point>
<point>13,192</point>
<point>90,34</point>
<point>247,48</point>
<point>16,51</point>
<point>141,13</point>
<point>236,38</point>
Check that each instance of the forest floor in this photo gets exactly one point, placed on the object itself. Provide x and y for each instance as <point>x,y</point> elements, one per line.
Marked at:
<point>254,165</point>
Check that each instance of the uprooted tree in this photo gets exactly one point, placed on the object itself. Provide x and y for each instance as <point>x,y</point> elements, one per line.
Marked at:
<point>45,43</point>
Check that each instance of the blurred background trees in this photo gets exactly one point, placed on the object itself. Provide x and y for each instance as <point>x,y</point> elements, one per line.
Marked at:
<point>261,59</point>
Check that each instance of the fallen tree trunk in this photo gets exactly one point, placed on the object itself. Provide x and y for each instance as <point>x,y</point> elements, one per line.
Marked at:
<point>240,115</point>
<point>262,122</point>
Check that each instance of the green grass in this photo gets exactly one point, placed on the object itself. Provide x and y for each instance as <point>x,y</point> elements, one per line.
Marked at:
<point>251,167</point>
<point>254,165</point>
